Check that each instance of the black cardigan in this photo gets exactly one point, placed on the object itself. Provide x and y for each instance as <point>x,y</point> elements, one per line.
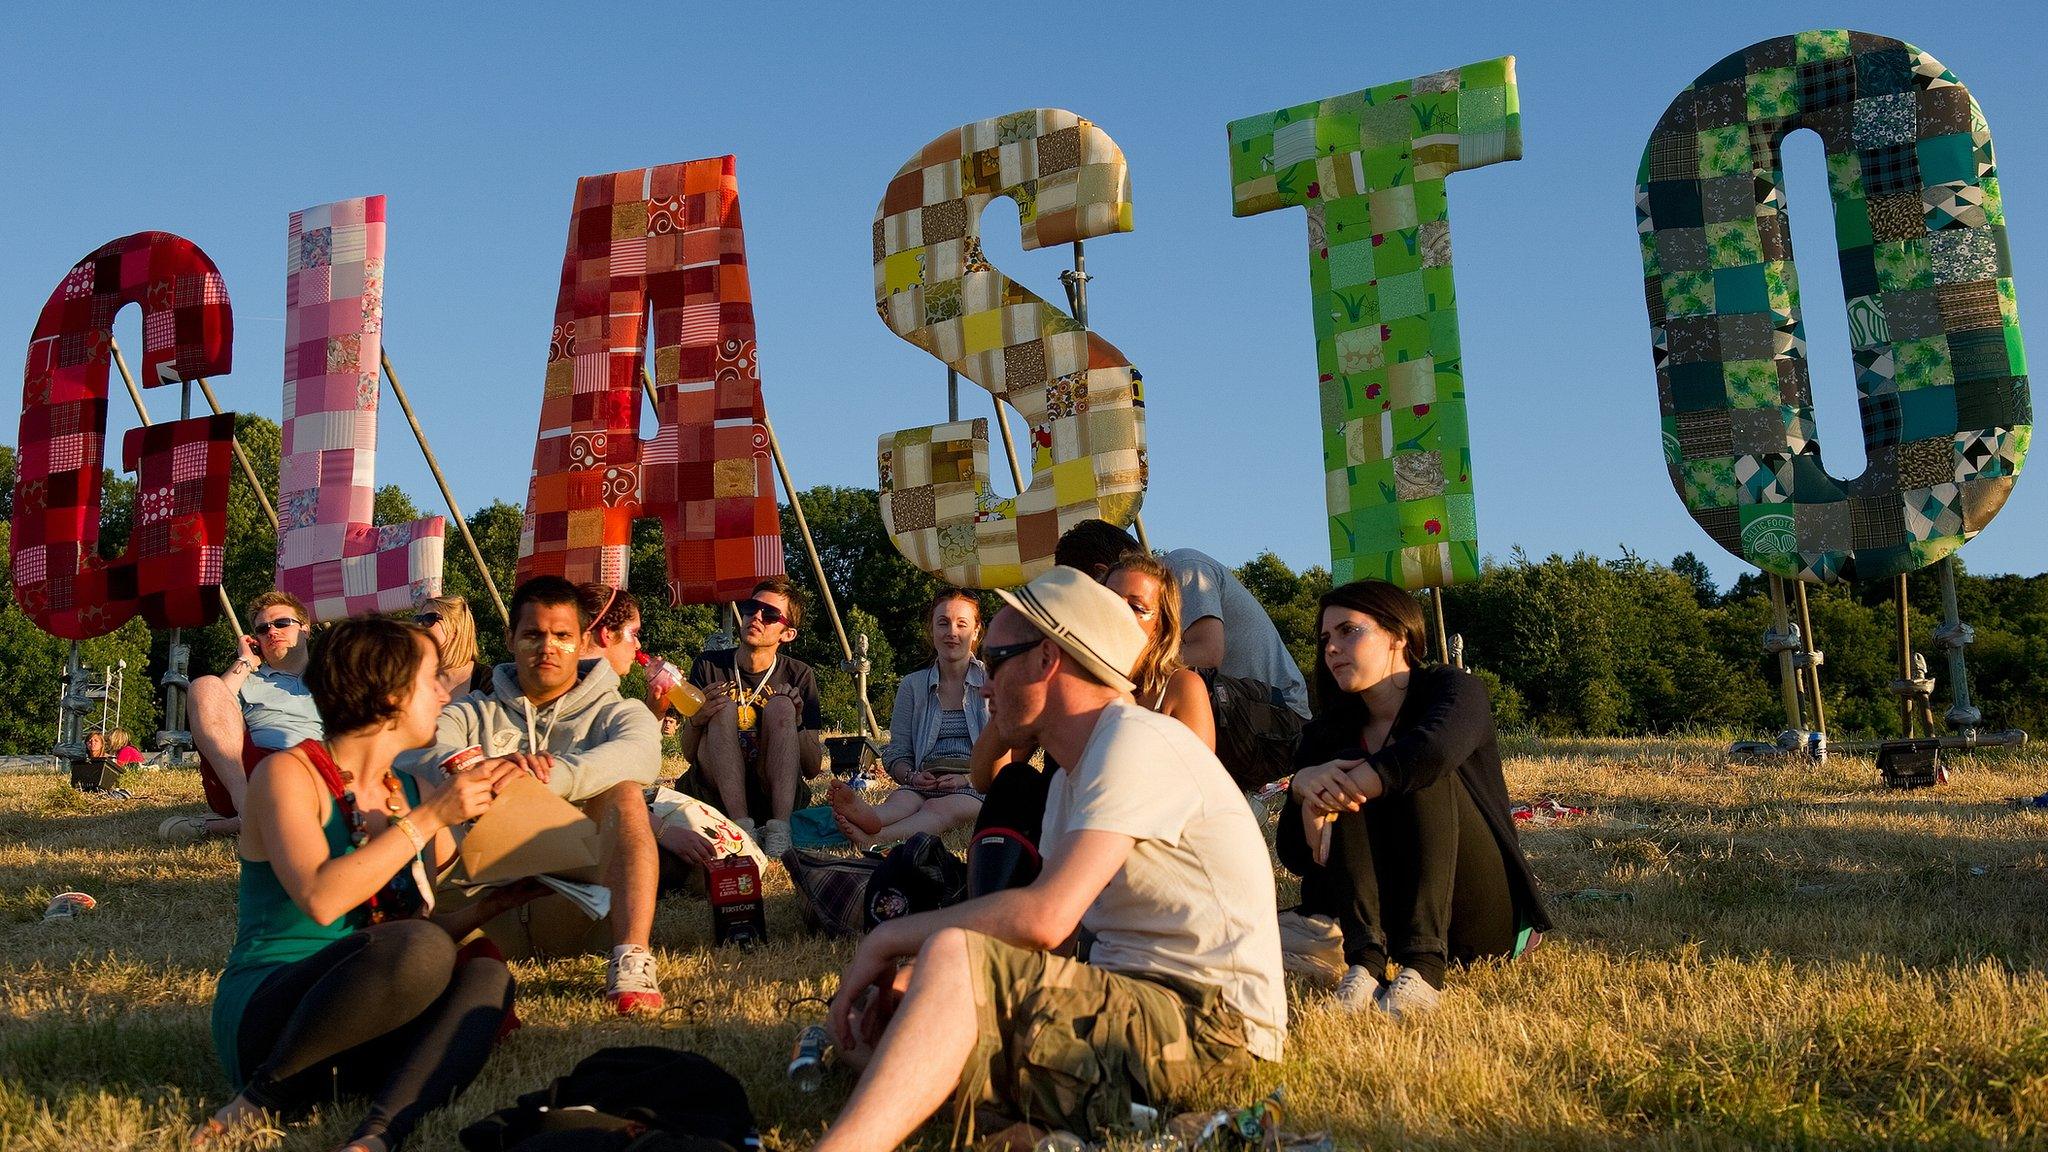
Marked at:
<point>1446,722</point>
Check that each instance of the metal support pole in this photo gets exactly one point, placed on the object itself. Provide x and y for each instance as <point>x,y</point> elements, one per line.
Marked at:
<point>817,566</point>
<point>1443,633</point>
<point>242,457</point>
<point>1076,284</point>
<point>1009,446</point>
<point>1956,636</point>
<point>953,396</point>
<point>1782,641</point>
<point>434,466</point>
<point>1905,660</point>
<point>1810,659</point>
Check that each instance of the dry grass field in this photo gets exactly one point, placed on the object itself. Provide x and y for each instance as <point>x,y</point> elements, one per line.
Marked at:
<point>1800,958</point>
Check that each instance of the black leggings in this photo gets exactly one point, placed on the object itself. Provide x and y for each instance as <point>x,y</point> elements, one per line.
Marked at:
<point>1417,879</point>
<point>384,1013</point>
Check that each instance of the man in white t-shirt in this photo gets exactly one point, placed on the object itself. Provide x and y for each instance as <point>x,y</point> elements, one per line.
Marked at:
<point>1147,843</point>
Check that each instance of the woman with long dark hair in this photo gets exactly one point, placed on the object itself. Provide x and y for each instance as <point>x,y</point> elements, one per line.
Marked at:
<point>1397,817</point>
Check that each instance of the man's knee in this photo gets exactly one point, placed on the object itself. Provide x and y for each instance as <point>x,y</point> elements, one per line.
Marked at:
<point>946,948</point>
<point>779,713</point>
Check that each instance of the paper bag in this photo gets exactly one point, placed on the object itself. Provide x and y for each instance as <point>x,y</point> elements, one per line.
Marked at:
<point>530,831</point>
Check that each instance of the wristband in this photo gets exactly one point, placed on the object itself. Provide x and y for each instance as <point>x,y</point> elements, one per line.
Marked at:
<point>404,824</point>
<point>242,665</point>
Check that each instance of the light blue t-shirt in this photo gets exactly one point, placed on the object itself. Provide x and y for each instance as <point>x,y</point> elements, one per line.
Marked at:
<point>278,710</point>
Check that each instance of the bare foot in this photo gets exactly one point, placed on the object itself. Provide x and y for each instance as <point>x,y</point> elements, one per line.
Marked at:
<point>859,837</point>
<point>365,1144</point>
<point>851,809</point>
<point>233,1115</point>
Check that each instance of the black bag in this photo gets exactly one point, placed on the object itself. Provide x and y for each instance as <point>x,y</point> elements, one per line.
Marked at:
<point>646,1098</point>
<point>1256,732</point>
<point>918,875</point>
<point>832,890</point>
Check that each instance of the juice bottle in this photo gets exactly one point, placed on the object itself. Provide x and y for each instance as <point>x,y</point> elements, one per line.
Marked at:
<point>667,684</point>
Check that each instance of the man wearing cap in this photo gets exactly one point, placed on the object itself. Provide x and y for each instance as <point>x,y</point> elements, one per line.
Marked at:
<point>1148,844</point>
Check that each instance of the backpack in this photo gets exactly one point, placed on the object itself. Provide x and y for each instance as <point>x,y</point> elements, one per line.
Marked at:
<point>1256,732</point>
<point>918,875</point>
<point>645,1098</point>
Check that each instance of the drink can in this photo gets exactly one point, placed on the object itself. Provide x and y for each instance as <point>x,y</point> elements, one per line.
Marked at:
<point>808,1058</point>
<point>738,914</point>
<point>69,906</point>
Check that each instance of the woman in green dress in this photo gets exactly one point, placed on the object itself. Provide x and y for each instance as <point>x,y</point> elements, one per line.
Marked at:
<point>339,977</point>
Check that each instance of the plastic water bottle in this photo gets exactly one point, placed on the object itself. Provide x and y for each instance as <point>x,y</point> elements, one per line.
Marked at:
<point>807,1060</point>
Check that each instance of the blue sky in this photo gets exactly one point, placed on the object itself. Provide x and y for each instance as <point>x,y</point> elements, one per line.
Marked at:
<point>476,122</point>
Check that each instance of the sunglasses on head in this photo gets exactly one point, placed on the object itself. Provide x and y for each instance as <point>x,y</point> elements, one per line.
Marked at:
<point>997,655</point>
<point>426,619</point>
<point>264,627</point>
<point>769,613</point>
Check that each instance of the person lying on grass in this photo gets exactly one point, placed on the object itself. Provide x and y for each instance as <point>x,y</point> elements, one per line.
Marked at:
<point>1148,843</point>
<point>940,714</point>
<point>338,976</point>
<point>1397,817</point>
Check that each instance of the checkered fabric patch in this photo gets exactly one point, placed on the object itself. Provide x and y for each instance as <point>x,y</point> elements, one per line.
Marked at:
<point>668,242</point>
<point>1934,328</point>
<point>1370,168</point>
<point>329,555</point>
<point>170,574</point>
<point>1082,402</point>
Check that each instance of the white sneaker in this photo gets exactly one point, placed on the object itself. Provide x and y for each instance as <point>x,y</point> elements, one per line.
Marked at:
<point>775,838</point>
<point>630,982</point>
<point>1409,995</point>
<point>1359,988</point>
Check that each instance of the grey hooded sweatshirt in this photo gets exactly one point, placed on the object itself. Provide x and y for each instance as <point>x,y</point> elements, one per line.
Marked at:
<point>598,738</point>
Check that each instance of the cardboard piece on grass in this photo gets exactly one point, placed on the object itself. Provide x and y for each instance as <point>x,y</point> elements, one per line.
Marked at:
<point>530,831</point>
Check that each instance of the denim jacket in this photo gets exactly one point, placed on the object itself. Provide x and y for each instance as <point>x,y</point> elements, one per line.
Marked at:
<point>914,724</point>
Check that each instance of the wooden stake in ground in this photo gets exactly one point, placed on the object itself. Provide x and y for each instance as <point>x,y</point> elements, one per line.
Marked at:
<point>454,511</point>
<point>1781,642</point>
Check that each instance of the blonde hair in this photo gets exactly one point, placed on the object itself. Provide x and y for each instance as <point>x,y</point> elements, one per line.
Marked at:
<point>460,647</point>
<point>1161,657</point>
<point>118,739</point>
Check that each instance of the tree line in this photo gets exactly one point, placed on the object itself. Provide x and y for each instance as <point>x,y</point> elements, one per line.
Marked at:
<point>1578,645</point>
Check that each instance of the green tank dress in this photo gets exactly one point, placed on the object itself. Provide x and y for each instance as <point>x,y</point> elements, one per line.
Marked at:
<point>271,932</point>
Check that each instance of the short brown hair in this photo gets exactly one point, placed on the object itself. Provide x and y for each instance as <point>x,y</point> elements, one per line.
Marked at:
<point>272,599</point>
<point>547,591</point>
<point>361,671</point>
<point>1092,544</point>
<point>781,586</point>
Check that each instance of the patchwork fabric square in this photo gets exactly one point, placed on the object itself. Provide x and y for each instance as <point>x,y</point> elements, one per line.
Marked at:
<point>1081,398</point>
<point>661,247</point>
<point>170,572</point>
<point>1934,331</point>
<point>1369,168</point>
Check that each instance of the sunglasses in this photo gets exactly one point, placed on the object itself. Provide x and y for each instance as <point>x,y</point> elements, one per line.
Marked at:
<point>996,656</point>
<point>426,619</point>
<point>265,627</point>
<point>768,613</point>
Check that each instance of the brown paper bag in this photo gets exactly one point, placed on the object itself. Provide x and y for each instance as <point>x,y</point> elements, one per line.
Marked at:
<point>530,831</point>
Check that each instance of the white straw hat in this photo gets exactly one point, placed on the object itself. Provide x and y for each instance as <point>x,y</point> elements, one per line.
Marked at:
<point>1088,622</point>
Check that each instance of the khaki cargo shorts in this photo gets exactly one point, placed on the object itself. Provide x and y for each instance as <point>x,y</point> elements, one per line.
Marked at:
<point>1065,1045</point>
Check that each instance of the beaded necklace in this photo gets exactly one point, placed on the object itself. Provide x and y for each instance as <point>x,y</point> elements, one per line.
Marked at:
<point>404,896</point>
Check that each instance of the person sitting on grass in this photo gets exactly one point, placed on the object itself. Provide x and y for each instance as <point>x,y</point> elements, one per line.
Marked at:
<point>447,619</point>
<point>258,706</point>
<point>1397,818</point>
<point>561,720</point>
<point>125,754</point>
<point>673,819</point>
<point>940,714</point>
<point>1164,684</point>
<point>1007,829</point>
<point>760,720</point>
<point>338,979</point>
<point>1148,844</point>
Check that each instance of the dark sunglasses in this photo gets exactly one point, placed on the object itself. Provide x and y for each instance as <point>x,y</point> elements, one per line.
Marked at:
<point>994,657</point>
<point>267,626</point>
<point>769,613</point>
<point>426,619</point>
